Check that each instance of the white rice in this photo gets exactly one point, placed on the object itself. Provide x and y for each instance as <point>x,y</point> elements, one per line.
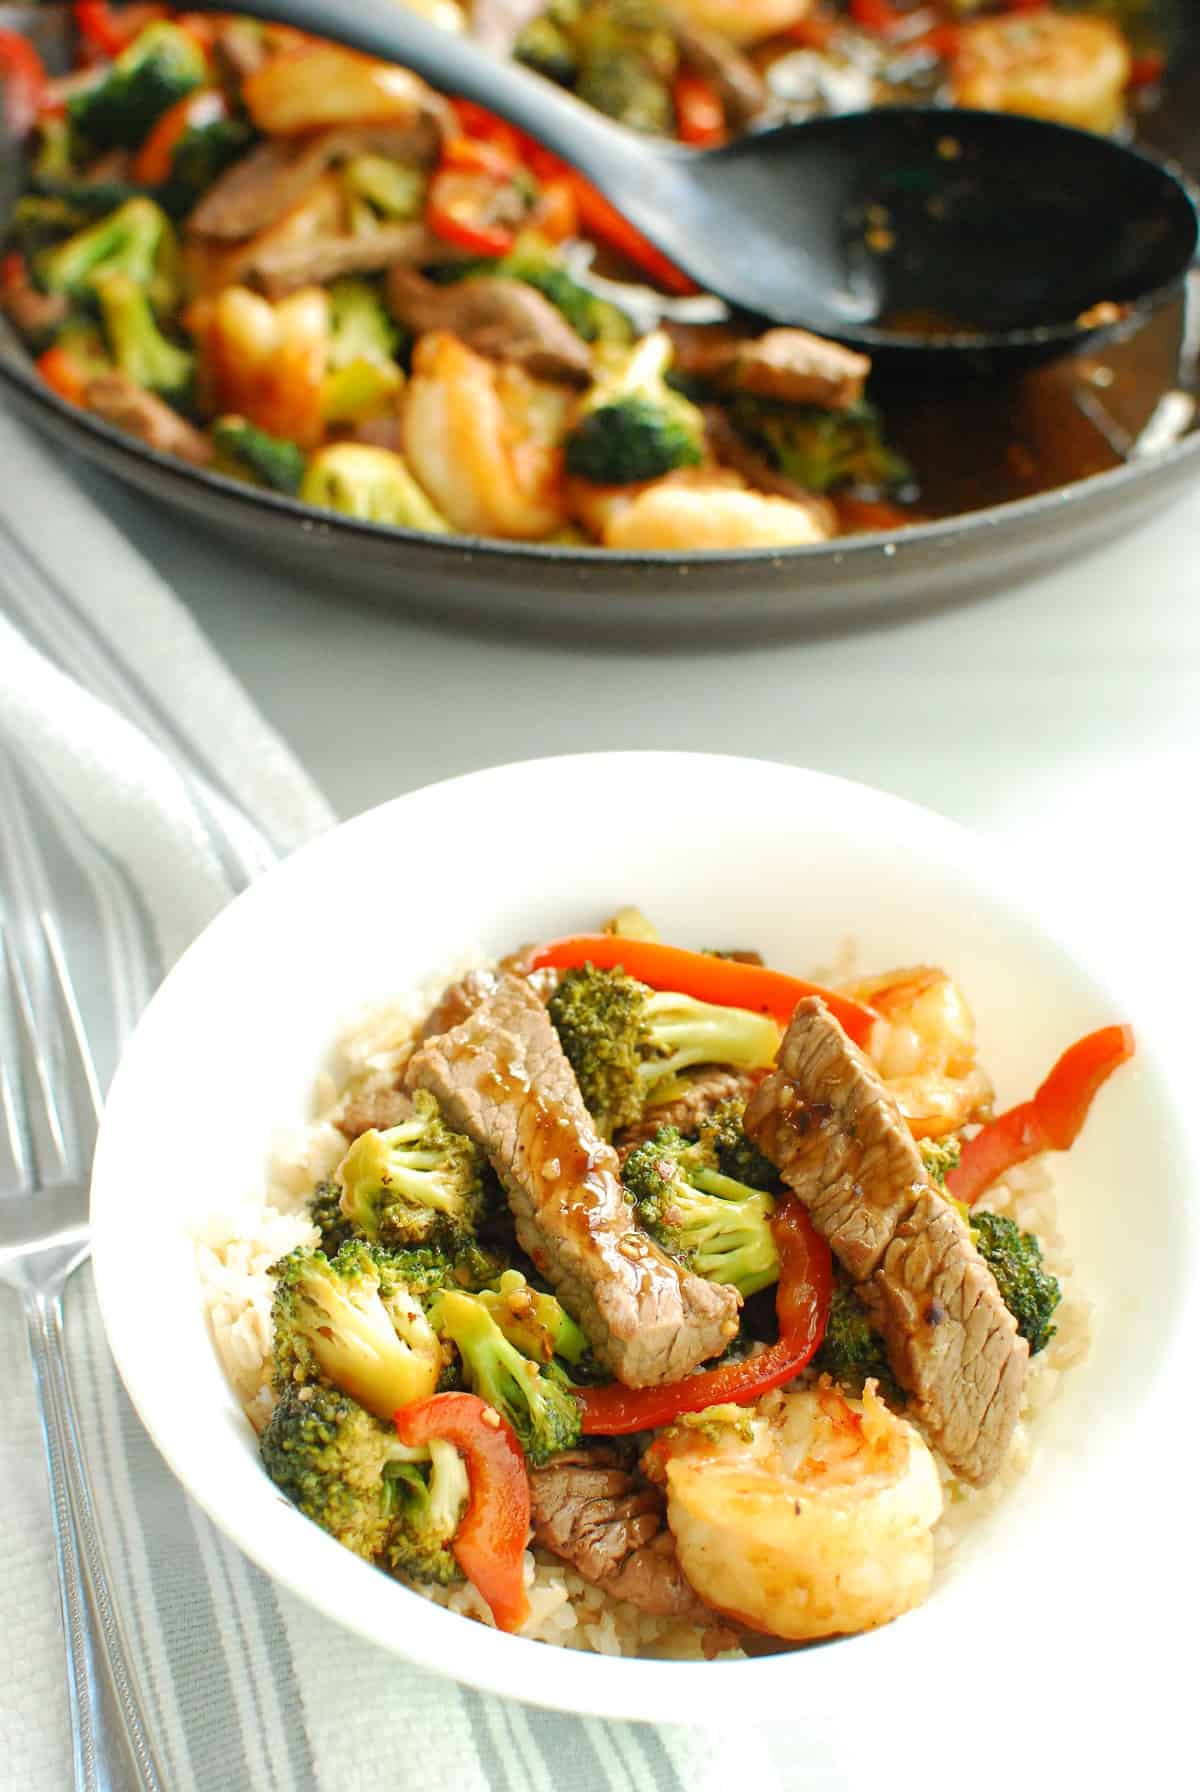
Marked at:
<point>236,1247</point>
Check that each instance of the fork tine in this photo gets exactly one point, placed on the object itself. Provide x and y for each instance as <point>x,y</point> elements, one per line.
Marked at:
<point>14,1173</point>
<point>50,1159</point>
<point>78,1063</point>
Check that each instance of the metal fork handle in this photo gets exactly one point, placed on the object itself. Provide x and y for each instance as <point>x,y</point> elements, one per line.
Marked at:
<point>90,1625</point>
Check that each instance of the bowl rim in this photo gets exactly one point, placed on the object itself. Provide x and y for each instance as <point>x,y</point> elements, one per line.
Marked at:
<point>430,1636</point>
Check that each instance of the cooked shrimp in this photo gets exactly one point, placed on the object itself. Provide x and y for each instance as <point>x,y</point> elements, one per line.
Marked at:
<point>482,438</point>
<point>713,509</point>
<point>1047,64</point>
<point>821,1525</point>
<point>925,1048</point>
<point>744,21</point>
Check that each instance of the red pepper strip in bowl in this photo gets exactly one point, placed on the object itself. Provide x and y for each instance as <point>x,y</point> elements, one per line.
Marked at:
<point>106,33</point>
<point>195,111</point>
<point>1050,1122</point>
<point>489,1545</point>
<point>722,981</point>
<point>63,374</point>
<point>802,1304</point>
<point>699,114</point>
<point>22,83</point>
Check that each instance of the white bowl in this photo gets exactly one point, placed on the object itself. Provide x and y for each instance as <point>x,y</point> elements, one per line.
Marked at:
<point>719,852</point>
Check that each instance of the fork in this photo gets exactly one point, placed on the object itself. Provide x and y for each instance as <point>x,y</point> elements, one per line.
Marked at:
<point>46,1145</point>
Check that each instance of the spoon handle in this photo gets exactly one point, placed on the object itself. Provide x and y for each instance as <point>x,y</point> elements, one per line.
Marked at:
<point>609,155</point>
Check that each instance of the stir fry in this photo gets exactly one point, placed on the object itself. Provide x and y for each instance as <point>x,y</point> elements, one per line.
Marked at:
<point>306,270</point>
<point>677,1269</point>
<point>301,268</point>
<point>703,70</point>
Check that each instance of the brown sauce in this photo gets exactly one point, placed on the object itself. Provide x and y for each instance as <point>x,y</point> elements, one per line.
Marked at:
<point>975,442</point>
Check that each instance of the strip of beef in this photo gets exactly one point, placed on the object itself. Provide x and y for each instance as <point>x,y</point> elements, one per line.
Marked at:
<point>741,88</point>
<point>130,407</point>
<point>504,319</point>
<point>951,1340</point>
<point>731,448</point>
<point>34,313</point>
<point>239,50</point>
<point>783,364</point>
<point>502,1077</point>
<point>276,175</point>
<point>826,1120</point>
<point>375,1108</point>
<point>457,1002</point>
<point>610,1525</point>
<point>706,1088</point>
<point>285,267</point>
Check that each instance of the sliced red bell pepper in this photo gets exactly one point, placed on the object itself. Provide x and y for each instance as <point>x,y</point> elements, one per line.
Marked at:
<point>63,374</point>
<point>105,33</point>
<point>723,981</point>
<point>489,1545</point>
<point>1148,68</point>
<point>152,164</point>
<point>22,82</point>
<point>457,211</point>
<point>802,1304</point>
<point>603,221</point>
<point>484,126</point>
<point>556,213</point>
<point>477,156</point>
<point>1050,1122</point>
<point>699,114</point>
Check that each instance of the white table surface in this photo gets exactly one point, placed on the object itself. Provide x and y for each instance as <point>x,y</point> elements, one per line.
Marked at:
<point>988,712</point>
<point>1064,717</point>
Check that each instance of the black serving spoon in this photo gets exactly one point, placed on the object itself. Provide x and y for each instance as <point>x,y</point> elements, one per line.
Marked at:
<point>915,232</point>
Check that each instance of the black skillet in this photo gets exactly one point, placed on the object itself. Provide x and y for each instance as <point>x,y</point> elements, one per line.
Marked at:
<point>1002,438</point>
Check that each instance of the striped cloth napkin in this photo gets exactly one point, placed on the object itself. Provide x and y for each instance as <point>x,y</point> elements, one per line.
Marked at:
<point>139,790</point>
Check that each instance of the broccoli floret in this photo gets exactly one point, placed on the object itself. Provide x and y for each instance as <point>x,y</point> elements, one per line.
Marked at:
<point>359,326</point>
<point>939,1156</point>
<point>372,484</point>
<point>139,348</point>
<point>417,1183</point>
<point>537,1323</point>
<point>620,56</point>
<point>714,1225</point>
<point>135,240</point>
<point>351,1474</point>
<point>428,1503</point>
<point>244,452</point>
<point>545,45</point>
<point>852,1350</point>
<point>325,1212</point>
<point>202,154</point>
<point>39,219</point>
<point>821,449</point>
<point>159,67</point>
<point>54,154</point>
<point>627,1043</point>
<point>350,1321</point>
<point>628,57</point>
<point>723,1134</point>
<point>1026,1286</point>
<point>394,190</point>
<point>540,1407</point>
<point>364,377</point>
<point>591,317</point>
<point>632,425</point>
